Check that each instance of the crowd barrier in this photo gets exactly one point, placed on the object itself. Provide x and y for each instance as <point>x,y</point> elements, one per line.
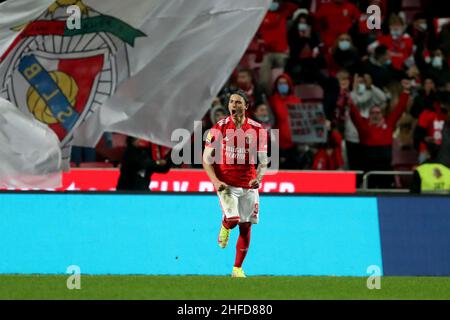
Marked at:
<point>176,233</point>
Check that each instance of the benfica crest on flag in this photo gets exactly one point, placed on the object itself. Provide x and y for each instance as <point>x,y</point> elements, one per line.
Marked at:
<point>61,76</point>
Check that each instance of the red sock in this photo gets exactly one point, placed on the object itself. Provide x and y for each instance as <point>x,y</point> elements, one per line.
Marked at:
<point>230,223</point>
<point>243,243</point>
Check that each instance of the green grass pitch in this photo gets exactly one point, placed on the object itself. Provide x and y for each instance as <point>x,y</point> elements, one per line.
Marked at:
<point>218,288</point>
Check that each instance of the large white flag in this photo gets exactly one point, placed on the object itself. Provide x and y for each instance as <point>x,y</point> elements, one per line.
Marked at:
<point>140,67</point>
<point>29,151</point>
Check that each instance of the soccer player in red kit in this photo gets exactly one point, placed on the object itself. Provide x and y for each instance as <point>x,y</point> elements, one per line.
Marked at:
<point>233,147</point>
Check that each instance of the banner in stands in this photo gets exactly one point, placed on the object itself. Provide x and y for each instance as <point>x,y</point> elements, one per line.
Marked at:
<point>308,122</point>
<point>190,180</point>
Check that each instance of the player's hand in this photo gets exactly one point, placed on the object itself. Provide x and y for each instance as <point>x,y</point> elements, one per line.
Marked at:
<point>220,186</point>
<point>254,184</point>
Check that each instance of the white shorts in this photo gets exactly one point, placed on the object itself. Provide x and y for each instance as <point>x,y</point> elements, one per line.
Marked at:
<point>240,202</point>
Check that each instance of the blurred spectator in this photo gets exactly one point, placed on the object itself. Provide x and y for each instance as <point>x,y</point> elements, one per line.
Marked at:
<point>245,81</point>
<point>422,33</point>
<point>380,69</point>
<point>284,96</point>
<point>399,44</point>
<point>305,60</point>
<point>365,96</point>
<point>140,160</point>
<point>262,115</point>
<point>444,150</point>
<point>404,155</point>
<point>437,68</point>
<point>344,55</point>
<point>217,113</point>
<point>335,18</point>
<point>376,136</point>
<point>273,31</point>
<point>424,98</point>
<point>428,132</point>
<point>342,102</point>
<point>413,74</point>
<point>444,39</point>
<point>362,36</point>
<point>329,155</point>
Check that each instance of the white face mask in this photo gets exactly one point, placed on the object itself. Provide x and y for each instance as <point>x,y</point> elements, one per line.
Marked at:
<point>361,88</point>
<point>396,33</point>
<point>344,45</point>
<point>437,62</point>
<point>303,27</point>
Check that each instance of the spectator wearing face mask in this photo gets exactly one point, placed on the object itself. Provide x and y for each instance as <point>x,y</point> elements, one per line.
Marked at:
<point>273,31</point>
<point>399,44</point>
<point>437,68</point>
<point>379,67</point>
<point>262,115</point>
<point>305,59</point>
<point>422,33</point>
<point>343,55</point>
<point>364,96</point>
<point>281,99</point>
<point>335,18</point>
<point>376,136</point>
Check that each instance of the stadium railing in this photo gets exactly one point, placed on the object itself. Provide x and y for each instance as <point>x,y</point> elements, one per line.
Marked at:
<point>367,175</point>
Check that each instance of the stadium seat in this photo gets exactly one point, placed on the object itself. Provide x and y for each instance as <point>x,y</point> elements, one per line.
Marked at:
<point>309,92</point>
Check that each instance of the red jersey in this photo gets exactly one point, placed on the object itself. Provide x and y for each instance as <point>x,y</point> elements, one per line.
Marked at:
<point>433,122</point>
<point>372,135</point>
<point>236,163</point>
<point>334,19</point>
<point>399,49</point>
<point>273,28</point>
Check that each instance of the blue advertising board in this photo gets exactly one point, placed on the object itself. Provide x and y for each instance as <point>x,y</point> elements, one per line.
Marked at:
<point>177,234</point>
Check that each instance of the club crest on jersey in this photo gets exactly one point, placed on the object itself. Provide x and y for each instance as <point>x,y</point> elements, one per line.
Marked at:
<point>61,75</point>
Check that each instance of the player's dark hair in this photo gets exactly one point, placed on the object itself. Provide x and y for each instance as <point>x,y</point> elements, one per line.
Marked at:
<point>240,93</point>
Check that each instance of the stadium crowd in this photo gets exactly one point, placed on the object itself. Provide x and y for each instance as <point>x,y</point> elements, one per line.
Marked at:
<point>384,93</point>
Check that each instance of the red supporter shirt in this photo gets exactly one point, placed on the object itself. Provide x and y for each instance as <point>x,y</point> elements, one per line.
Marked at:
<point>372,135</point>
<point>399,49</point>
<point>334,19</point>
<point>238,147</point>
<point>433,122</point>
<point>280,108</point>
<point>273,28</point>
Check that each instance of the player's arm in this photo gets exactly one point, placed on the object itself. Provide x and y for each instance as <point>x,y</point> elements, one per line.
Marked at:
<point>208,161</point>
<point>263,161</point>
